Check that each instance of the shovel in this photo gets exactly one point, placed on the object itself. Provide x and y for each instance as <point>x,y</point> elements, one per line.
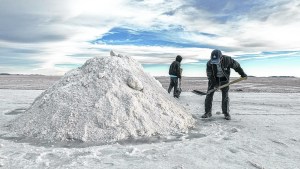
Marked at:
<point>220,87</point>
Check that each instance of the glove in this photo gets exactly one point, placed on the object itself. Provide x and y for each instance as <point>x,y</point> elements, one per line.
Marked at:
<point>244,75</point>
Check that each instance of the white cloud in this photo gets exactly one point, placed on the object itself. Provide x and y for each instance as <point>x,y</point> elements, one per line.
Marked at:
<point>149,54</point>
<point>59,30</point>
<point>272,28</point>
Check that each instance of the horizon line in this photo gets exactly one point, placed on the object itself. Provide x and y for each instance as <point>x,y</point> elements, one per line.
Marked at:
<point>20,74</point>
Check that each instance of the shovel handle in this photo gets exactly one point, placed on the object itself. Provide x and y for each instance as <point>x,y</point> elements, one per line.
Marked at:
<point>232,82</point>
<point>227,84</point>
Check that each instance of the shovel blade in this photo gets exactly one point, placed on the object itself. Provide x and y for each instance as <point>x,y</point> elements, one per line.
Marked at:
<point>199,92</point>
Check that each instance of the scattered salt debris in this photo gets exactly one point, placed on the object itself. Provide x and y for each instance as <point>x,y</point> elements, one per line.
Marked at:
<point>112,53</point>
<point>132,151</point>
<point>101,75</point>
<point>106,100</point>
<point>218,112</point>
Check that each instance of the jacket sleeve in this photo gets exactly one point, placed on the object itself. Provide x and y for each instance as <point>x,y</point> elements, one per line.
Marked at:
<point>237,67</point>
<point>177,68</point>
<point>170,69</point>
<point>209,73</point>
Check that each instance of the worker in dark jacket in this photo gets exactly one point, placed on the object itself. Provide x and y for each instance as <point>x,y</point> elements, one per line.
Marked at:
<point>218,73</point>
<point>175,74</point>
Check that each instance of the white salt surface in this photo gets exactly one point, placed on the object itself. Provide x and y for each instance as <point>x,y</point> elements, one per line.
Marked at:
<point>263,133</point>
<point>108,99</point>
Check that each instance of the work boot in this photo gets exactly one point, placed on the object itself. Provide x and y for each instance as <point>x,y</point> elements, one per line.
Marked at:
<point>227,116</point>
<point>206,115</point>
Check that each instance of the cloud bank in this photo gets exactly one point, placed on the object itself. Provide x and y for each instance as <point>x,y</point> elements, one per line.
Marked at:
<point>51,36</point>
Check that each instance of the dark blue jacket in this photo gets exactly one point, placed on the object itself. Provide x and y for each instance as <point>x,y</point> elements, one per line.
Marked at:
<point>175,67</point>
<point>226,63</point>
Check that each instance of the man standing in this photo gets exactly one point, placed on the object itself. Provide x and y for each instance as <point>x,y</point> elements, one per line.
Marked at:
<point>218,73</point>
<point>175,74</point>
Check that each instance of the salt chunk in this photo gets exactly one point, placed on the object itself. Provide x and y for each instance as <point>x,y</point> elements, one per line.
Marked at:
<point>101,75</point>
<point>112,53</point>
<point>135,83</point>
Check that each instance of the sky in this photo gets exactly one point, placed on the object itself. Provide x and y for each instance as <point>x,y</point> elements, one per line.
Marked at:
<point>51,37</point>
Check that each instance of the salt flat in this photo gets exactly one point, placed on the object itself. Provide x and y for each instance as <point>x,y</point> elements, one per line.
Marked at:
<point>263,133</point>
<point>252,84</point>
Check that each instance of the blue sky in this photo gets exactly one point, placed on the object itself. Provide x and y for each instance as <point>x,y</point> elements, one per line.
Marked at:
<point>51,36</point>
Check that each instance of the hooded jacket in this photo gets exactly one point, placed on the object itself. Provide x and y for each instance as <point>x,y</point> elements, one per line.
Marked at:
<point>175,67</point>
<point>226,63</point>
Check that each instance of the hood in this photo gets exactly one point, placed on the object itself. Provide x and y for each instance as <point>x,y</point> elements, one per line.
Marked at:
<point>178,58</point>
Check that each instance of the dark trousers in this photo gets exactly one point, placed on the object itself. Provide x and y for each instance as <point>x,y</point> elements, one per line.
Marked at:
<point>173,83</point>
<point>225,98</point>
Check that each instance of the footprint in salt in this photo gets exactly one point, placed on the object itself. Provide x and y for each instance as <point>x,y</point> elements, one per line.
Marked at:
<point>31,156</point>
<point>234,130</point>
<point>232,150</point>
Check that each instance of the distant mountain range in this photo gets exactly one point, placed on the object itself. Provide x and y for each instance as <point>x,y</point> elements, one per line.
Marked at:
<point>22,74</point>
<point>161,76</point>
